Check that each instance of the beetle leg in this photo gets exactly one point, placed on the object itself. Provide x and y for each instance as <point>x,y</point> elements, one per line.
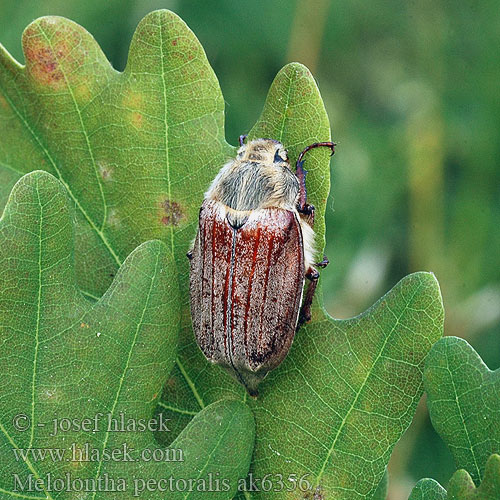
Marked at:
<point>241,139</point>
<point>305,312</point>
<point>303,207</point>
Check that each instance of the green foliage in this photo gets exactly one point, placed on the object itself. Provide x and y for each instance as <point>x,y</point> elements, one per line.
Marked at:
<point>66,357</point>
<point>136,151</point>
<point>324,405</point>
<point>347,392</point>
<point>428,489</point>
<point>461,486</point>
<point>464,403</point>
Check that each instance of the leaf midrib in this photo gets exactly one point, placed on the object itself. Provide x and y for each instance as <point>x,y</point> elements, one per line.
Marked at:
<point>463,420</point>
<point>38,317</point>
<point>127,364</point>
<point>28,463</point>
<point>166,127</point>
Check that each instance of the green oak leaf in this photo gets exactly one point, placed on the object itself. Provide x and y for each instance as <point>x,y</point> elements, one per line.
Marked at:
<point>137,150</point>
<point>461,486</point>
<point>65,357</point>
<point>428,489</point>
<point>464,403</point>
<point>330,415</point>
<point>342,399</point>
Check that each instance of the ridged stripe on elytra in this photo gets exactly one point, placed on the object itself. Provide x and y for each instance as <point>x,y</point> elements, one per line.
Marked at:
<point>212,295</point>
<point>250,285</point>
<point>228,310</point>
<point>266,282</point>
<point>225,300</point>
<point>206,233</point>
<point>252,280</point>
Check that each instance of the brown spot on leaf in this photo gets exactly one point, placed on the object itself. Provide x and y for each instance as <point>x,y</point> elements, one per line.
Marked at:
<point>317,494</point>
<point>137,119</point>
<point>30,31</point>
<point>174,41</point>
<point>3,102</point>
<point>57,54</point>
<point>43,64</point>
<point>105,171</point>
<point>171,214</point>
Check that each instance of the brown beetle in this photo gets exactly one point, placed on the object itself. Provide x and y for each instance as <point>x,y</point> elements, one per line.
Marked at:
<point>253,250</point>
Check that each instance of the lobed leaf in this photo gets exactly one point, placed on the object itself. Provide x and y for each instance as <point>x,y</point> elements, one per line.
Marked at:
<point>461,486</point>
<point>67,358</point>
<point>136,151</point>
<point>464,403</point>
<point>343,398</point>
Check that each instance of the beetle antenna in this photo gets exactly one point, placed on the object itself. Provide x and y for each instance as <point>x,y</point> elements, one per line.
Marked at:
<point>241,139</point>
<point>300,172</point>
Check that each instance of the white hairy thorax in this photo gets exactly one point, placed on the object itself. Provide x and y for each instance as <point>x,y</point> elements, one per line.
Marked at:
<point>260,178</point>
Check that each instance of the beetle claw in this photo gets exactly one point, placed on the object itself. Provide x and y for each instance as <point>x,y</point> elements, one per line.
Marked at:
<point>324,262</point>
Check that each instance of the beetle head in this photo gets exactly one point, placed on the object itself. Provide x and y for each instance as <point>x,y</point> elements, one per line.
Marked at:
<point>266,151</point>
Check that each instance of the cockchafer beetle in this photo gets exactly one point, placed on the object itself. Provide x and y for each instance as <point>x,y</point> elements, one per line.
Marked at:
<point>251,255</point>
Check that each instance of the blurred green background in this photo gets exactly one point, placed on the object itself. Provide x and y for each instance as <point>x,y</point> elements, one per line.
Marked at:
<point>412,91</point>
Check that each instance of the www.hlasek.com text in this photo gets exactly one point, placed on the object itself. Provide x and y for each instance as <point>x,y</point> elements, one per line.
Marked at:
<point>86,452</point>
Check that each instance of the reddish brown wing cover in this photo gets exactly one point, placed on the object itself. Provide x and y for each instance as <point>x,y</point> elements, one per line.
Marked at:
<point>246,289</point>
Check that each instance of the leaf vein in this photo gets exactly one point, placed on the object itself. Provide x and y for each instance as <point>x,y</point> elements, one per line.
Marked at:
<point>83,130</point>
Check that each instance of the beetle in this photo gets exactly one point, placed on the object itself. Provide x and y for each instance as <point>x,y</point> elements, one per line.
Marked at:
<point>252,253</point>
